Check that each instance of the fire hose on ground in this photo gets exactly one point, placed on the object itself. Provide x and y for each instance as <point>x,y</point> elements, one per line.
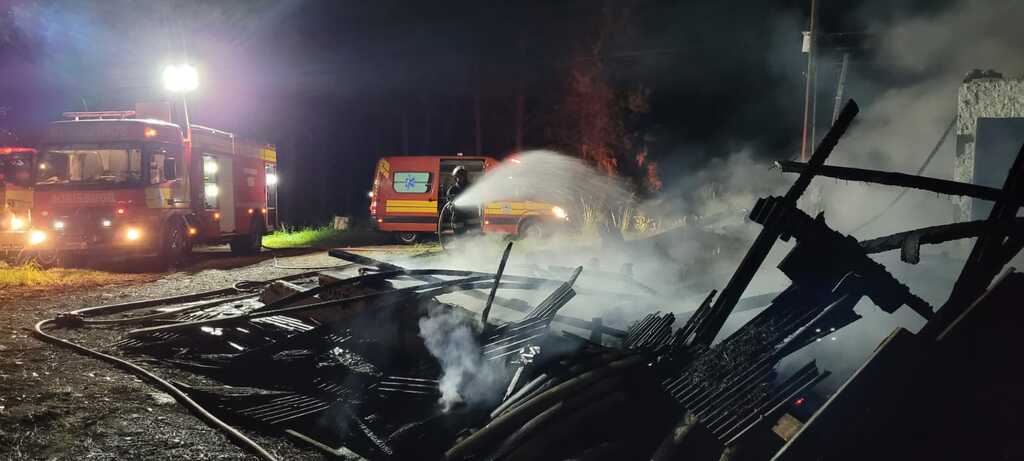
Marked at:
<point>79,318</point>
<point>171,389</point>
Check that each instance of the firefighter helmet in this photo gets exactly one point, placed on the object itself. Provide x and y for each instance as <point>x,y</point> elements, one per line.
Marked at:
<point>460,171</point>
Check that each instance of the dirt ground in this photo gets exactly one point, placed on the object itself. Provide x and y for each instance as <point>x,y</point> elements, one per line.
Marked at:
<point>56,404</point>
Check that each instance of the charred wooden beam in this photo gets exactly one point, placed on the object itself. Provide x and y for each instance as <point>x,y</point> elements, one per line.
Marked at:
<point>494,289</point>
<point>847,418</point>
<point>993,249</point>
<point>815,238</point>
<point>520,415</point>
<point>937,234</point>
<point>386,296</point>
<point>689,439</point>
<point>512,304</point>
<point>726,301</point>
<point>941,186</point>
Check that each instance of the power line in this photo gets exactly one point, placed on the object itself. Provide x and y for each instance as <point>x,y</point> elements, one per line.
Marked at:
<point>928,160</point>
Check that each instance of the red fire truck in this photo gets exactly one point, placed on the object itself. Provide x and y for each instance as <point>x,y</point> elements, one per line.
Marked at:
<point>408,192</point>
<point>111,184</point>
<point>16,164</point>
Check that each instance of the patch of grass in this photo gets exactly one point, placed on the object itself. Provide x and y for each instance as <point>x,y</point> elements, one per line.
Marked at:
<point>32,276</point>
<point>314,237</point>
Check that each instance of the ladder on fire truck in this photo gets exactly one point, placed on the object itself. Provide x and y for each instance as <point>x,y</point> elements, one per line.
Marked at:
<point>100,115</point>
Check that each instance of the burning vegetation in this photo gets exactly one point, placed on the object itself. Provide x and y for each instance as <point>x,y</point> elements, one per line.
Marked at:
<point>375,364</point>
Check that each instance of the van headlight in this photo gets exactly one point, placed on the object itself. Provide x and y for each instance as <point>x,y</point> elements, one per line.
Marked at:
<point>559,212</point>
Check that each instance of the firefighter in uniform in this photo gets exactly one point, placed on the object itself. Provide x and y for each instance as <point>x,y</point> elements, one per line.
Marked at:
<point>462,218</point>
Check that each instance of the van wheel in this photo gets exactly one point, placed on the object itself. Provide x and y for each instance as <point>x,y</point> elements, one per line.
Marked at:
<point>531,230</point>
<point>176,244</point>
<point>407,238</point>
<point>251,243</point>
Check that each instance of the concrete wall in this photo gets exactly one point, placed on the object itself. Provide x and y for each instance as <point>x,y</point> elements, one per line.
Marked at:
<point>983,97</point>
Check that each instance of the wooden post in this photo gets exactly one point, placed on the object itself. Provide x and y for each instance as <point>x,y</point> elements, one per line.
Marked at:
<point>596,328</point>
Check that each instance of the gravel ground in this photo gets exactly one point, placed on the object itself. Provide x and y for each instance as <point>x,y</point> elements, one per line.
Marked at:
<point>56,404</point>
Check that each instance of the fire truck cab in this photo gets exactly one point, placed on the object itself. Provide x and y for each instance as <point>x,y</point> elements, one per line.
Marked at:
<point>16,166</point>
<point>409,191</point>
<point>113,185</point>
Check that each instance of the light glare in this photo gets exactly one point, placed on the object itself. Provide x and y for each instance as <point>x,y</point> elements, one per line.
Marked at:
<point>180,78</point>
<point>132,234</point>
<point>36,237</point>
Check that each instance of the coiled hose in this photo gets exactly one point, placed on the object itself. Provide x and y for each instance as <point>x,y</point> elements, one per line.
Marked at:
<point>182,398</point>
<point>78,318</point>
<point>449,209</point>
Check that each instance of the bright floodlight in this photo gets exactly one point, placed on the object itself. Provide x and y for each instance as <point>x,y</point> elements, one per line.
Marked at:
<point>181,78</point>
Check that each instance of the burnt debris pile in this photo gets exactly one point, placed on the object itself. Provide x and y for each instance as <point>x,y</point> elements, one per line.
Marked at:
<point>373,364</point>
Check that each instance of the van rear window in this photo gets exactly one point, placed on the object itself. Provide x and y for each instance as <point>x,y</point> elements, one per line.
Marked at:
<point>416,182</point>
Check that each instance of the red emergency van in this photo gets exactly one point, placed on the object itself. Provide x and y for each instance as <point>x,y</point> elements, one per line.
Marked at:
<point>408,192</point>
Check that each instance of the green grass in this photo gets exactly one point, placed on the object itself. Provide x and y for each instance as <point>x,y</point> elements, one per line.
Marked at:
<point>32,276</point>
<point>315,237</point>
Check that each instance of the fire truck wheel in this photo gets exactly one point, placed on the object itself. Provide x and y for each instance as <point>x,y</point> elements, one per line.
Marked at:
<point>531,230</point>
<point>407,238</point>
<point>54,258</point>
<point>45,258</point>
<point>176,245</point>
<point>249,244</point>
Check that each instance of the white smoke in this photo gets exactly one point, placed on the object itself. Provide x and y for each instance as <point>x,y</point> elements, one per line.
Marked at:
<point>466,377</point>
<point>546,176</point>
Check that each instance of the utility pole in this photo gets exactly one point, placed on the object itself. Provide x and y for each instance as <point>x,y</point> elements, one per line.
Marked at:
<point>520,97</point>
<point>840,86</point>
<point>808,47</point>
<point>478,135</point>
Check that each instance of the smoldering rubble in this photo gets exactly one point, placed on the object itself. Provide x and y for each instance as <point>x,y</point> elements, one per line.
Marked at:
<point>374,364</point>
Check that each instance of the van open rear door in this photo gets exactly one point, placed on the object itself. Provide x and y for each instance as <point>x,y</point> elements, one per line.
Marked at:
<point>407,195</point>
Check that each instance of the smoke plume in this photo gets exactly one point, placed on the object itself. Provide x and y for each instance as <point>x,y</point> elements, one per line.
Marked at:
<point>466,377</point>
<point>546,176</point>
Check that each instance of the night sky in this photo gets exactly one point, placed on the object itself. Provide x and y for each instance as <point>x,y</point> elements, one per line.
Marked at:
<point>337,84</point>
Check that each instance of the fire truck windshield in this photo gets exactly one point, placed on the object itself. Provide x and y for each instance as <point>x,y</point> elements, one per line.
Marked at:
<point>90,164</point>
<point>16,169</point>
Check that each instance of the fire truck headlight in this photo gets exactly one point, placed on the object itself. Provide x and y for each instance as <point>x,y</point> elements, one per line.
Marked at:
<point>132,234</point>
<point>559,212</point>
<point>17,223</point>
<point>36,237</point>
<point>271,179</point>
<point>58,225</point>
